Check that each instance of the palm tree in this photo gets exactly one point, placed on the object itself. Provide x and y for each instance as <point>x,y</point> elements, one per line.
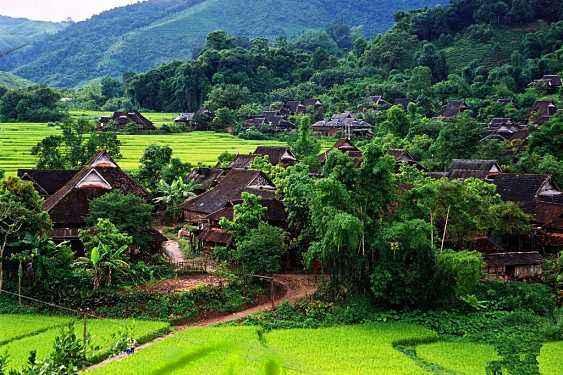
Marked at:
<point>102,262</point>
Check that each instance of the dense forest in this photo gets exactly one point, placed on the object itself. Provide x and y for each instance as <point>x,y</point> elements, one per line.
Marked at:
<point>146,34</point>
<point>18,32</point>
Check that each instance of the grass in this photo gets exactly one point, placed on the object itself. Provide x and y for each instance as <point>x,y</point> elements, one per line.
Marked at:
<point>17,139</point>
<point>365,349</point>
<point>38,332</point>
<point>551,358</point>
<point>461,357</point>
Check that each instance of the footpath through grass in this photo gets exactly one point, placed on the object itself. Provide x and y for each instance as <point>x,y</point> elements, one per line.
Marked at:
<point>17,140</point>
<point>363,349</point>
<point>23,333</point>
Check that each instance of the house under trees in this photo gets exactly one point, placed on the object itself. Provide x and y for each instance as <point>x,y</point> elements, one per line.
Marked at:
<point>125,121</point>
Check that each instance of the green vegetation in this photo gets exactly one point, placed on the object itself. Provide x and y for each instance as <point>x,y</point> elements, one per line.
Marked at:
<point>12,81</point>
<point>363,349</point>
<point>41,331</point>
<point>18,32</point>
<point>17,139</point>
<point>461,357</point>
<point>176,28</point>
<point>550,358</point>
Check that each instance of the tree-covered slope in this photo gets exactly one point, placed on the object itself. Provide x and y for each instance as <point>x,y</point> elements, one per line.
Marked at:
<point>144,35</point>
<point>18,32</point>
<point>12,81</point>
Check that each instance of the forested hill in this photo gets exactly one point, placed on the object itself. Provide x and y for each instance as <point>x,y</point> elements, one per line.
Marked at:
<point>144,35</point>
<point>18,32</point>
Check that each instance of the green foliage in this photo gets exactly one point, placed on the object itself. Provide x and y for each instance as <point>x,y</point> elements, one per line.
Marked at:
<point>128,212</point>
<point>105,252</point>
<point>174,195</point>
<point>513,296</point>
<point>465,267</point>
<point>78,143</point>
<point>35,104</point>
<point>247,216</point>
<point>260,251</point>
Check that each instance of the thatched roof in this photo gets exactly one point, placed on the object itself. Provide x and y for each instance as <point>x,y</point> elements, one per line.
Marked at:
<point>514,259</point>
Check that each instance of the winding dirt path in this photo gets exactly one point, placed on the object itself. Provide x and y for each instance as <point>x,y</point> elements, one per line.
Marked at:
<point>296,287</point>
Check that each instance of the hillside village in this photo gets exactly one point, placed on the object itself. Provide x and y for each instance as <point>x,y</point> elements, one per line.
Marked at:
<point>372,204</point>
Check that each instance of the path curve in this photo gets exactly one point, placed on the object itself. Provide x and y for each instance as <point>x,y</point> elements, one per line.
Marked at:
<point>296,287</point>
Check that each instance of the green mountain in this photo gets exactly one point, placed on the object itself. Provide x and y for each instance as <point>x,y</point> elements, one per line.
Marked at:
<point>12,81</point>
<point>141,36</point>
<point>18,32</point>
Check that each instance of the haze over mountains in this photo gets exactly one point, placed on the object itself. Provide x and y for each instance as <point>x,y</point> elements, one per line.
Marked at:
<point>18,32</point>
<point>141,36</point>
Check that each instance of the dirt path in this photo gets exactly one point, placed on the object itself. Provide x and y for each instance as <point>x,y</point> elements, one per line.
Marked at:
<point>297,287</point>
<point>173,252</point>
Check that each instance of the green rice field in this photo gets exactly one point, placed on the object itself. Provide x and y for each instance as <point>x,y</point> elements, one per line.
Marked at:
<point>17,139</point>
<point>472,358</point>
<point>22,333</point>
<point>365,349</point>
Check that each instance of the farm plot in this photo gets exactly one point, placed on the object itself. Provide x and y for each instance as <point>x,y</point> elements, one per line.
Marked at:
<point>17,140</point>
<point>38,332</point>
<point>551,358</point>
<point>461,357</point>
<point>365,349</point>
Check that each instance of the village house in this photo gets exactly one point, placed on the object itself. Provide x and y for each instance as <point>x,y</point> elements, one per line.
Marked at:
<point>125,121</point>
<point>206,210</point>
<point>470,168</point>
<point>68,193</point>
<point>185,118</point>
<point>296,107</point>
<point>521,266</point>
<point>205,178</point>
<point>403,102</point>
<point>452,109</point>
<point>375,102</point>
<point>343,125</point>
<point>270,122</point>
<point>345,146</point>
<point>550,82</point>
<point>402,156</point>
<point>276,155</point>
<point>504,129</point>
<point>195,121</point>
<point>542,112</point>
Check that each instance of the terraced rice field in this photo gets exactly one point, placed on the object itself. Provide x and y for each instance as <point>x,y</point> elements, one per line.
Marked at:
<point>22,333</point>
<point>17,139</point>
<point>472,358</point>
<point>365,349</point>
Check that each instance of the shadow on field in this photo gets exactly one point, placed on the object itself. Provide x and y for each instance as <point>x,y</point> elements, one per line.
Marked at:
<point>185,360</point>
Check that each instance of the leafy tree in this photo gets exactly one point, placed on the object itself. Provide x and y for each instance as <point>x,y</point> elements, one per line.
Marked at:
<point>174,195</point>
<point>247,215</point>
<point>406,271</point>
<point>464,267</point>
<point>548,139</point>
<point>306,147</point>
<point>396,121</point>
<point>105,249</point>
<point>38,104</point>
<point>225,159</point>
<point>129,213</point>
<point>260,250</point>
<point>457,139</point>
<point>341,34</point>
<point>158,164</point>
<point>78,143</point>
<point>435,60</point>
<point>111,88</point>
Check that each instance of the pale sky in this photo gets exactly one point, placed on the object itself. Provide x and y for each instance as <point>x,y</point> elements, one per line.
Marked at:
<point>58,10</point>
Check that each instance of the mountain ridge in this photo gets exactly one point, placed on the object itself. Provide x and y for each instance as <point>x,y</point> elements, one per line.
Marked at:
<point>141,36</point>
<point>18,32</point>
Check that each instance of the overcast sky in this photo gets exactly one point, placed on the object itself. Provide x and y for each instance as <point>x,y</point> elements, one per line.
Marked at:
<point>58,10</point>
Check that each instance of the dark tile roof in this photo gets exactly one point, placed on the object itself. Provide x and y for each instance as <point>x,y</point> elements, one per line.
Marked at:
<point>111,173</point>
<point>403,156</point>
<point>229,189</point>
<point>514,259</point>
<point>473,164</point>
<point>46,182</point>
<point>205,177</point>
<point>276,154</point>
<point>122,119</point>
<point>216,236</point>
<point>185,117</point>
<point>403,102</point>
<point>242,161</point>
<point>519,187</point>
<point>542,111</point>
<point>344,145</point>
<point>462,174</point>
<point>453,108</point>
<point>500,121</point>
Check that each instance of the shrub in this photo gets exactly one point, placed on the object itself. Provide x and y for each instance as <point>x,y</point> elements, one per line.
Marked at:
<point>465,267</point>
<point>517,295</point>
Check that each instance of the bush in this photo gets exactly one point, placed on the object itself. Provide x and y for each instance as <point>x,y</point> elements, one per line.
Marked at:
<point>464,267</point>
<point>517,295</point>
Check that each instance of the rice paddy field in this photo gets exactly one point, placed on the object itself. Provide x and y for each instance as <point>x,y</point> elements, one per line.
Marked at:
<point>17,139</point>
<point>22,333</point>
<point>472,358</point>
<point>365,349</point>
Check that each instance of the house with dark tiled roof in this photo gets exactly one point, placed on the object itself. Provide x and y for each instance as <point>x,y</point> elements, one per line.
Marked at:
<point>542,111</point>
<point>227,190</point>
<point>505,129</point>
<point>300,107</point>
<point>185,118</point>
<point>345,146</point>
<point>124,121</point>
<point>403,102</point>
<point>402,156</point>
<point>452,109</point>
<point>521,266</point>
<point>375,102</point>
<point>270,122</point>
<point>473,168</point>
<point>68,193</point>
<point>550,82</point>
<point>343,125</point>
<point>276,155</point>
<point>205,177</point>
